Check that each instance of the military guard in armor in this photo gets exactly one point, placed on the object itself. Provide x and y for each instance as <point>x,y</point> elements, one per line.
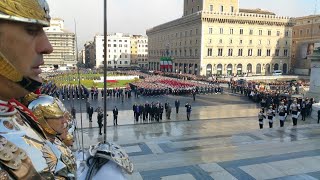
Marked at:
<point>53,118</point>
<point>295,111</point>
<point>24,148</point>
<point>282,109</point>
<point>261,116</point>
<point>270,115</point>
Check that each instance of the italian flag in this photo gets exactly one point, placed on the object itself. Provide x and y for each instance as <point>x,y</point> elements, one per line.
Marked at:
<point>165,63</point>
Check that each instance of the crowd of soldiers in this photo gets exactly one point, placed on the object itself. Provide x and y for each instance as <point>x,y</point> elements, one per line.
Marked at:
<point>295,107</point>
<point>159,85</point>
<point>65,92</point>
<point>153,112</point>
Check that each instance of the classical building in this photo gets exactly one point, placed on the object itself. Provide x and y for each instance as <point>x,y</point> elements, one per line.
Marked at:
<point>306,33</point>
<point>217,37</point>
<point>63,43</point>
<point>118,55</point>
<point>139,51</point>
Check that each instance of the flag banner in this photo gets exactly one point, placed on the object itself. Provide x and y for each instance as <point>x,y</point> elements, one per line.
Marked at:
<point>165,63</point>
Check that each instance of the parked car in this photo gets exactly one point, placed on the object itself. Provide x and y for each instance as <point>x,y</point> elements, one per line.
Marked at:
<point>277,72</point>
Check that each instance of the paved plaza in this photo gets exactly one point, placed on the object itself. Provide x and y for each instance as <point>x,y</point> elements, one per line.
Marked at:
<point>222,141</point>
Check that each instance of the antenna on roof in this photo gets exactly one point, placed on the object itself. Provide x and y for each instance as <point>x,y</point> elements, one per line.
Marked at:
<point>316,7</point>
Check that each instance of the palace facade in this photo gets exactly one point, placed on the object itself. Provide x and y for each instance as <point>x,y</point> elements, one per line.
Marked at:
<point>216,37</point>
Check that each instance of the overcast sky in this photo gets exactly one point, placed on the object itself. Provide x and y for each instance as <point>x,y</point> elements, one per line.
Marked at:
<point>135,16</point>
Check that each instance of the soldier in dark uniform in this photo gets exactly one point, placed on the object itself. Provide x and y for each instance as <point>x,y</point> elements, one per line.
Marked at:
<point>115,116</point>
<point>177,105</point>
<point>188,110</point>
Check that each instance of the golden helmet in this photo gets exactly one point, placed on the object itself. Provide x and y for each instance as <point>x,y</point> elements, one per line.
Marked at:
<point>28,11</point>
<point>45,107</point>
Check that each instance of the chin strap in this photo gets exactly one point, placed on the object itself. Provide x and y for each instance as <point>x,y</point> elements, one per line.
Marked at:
<point>29,84</point>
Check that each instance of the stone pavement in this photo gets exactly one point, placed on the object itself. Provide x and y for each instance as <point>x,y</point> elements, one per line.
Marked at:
<point>232,148</point>
<point>222,141</point>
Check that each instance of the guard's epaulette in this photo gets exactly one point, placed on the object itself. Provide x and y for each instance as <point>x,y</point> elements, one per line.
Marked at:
<point>15,161</point>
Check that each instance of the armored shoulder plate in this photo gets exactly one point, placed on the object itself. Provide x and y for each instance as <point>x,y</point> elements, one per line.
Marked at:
<point>23,152</point>
<point>113,152</point>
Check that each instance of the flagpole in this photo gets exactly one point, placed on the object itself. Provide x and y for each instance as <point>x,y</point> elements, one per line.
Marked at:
<point>79,82</point>
<point>105,73</point>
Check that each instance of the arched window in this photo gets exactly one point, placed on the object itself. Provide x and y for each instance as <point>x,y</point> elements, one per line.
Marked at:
<point>229,69</point>
<point>219,69</point>
<point>209,70</point>
<point>258,69</point>
<point>285,68</point>
<point>239,69</point>
<point>276,67</point>
<point>249,68</point>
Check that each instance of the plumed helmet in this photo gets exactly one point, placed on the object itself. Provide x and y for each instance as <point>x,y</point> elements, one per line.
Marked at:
<point>28,11</point>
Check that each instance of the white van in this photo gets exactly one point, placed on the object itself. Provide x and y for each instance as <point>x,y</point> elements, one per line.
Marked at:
<point>277,72</point>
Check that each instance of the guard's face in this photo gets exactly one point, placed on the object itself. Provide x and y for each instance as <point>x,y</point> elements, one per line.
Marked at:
<point>58,124</point>
<point>24,45</point>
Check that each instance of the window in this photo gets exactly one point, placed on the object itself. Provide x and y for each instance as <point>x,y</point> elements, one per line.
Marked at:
<point>196,52</point>
<point>210,30</point>
<point>277,52</point>
<point>114,45</point>
<point>268,52</point>
<point>211,7</point>
<point>259,52</point>
<point>269,42</point>
<point>210,41</point>
<point>125,62</point>
<point>221,8</point>
<point>249,52</point>
<point>240,42</point>
<point>241,31</point>
<point>220,51</point>
<point>285,52</point>
<point>250,41</point>
<point>196,31</point>
<point>232,8</point>
<point>251,32</point>
<point>259,42</point>
<point>109,45</point>
<point>301,32</point>
<point>260,32</point>
<point>221,30</point>
<point>231,31</point>
<point>230,52</point>
<point>269,32</point>
<point>308,31</point>
<point>192,10</point>
<point>278,33</point>
<point>209,51</point>
<point>190,32</point>
<point>240,52</point>
<point>190,52</point>
<point>231,41</point>
<point>287,33</point>
<point>220,41</point>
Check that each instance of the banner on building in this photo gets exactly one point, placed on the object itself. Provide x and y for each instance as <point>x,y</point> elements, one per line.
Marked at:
<point>165,63</point>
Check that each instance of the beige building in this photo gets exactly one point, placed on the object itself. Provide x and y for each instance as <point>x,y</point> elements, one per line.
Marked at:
<point>306,33</point>
<point>139,51</point>
<point>216,37</point>
<point>63,43</point>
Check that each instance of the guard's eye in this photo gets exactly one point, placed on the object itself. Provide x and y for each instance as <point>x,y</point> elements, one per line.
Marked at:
<point>34,30</point>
